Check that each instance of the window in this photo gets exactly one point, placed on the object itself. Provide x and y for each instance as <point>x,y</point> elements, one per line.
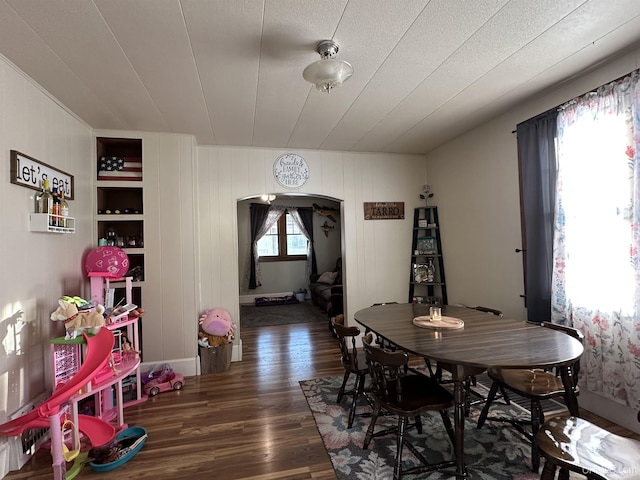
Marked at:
<point>596,264</point>
<point>283,242</point>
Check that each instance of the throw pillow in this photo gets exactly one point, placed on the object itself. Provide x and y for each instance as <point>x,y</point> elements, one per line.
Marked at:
<point>328,277</point>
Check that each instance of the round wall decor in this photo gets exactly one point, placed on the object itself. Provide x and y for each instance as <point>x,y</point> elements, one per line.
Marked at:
<point>291,170</point>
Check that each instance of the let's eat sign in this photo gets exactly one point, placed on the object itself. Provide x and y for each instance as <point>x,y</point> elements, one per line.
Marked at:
<point>29,172</point>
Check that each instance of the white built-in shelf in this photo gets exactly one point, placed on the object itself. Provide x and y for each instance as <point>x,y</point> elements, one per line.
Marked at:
<point>41,222</point>
<point>119,217</point>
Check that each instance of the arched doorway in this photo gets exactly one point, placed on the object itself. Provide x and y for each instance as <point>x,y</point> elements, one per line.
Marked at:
<point>282,278</point>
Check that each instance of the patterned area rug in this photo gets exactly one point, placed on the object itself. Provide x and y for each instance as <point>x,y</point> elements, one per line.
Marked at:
<point>496,451</point>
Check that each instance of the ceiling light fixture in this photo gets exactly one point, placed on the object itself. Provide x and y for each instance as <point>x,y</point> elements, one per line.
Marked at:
<point>267,198</point>
<point>328,72</point>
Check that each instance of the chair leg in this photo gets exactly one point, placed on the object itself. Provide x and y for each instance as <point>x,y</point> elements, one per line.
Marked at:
<point>536,413</point>
<point>372,425</point>
<point>448,426</point>
<point>418,424</point>
<point>485,409</point>
<point>397,469</point>
<point>549,471</point>
<point>342,387</point>
<point>358,388</point>
<point>505,396</point>
<point>437,374</point>
<point>467,396</point>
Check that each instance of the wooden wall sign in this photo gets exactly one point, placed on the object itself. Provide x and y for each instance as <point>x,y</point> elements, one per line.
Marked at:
<point>383,210</point>
<point>29,172</point>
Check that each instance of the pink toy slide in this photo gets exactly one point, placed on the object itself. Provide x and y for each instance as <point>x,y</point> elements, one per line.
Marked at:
<point>98,350</point>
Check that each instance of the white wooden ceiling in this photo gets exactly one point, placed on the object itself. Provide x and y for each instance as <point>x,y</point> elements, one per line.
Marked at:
<point>230,71</point>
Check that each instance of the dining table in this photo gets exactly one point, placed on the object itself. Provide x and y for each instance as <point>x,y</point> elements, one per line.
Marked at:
<point>482,341</point>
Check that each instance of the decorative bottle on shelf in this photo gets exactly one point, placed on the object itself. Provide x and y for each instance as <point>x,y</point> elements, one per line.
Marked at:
<point>37,204</point>
<point>111,236</point>
<point>431,271</point>
<point>46,200</point>
<point>55,210</point>
<point>64,210</point>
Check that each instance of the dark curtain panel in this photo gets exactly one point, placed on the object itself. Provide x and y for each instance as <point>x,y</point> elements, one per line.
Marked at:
<point>258,215</point>
<point>537,158</point>
<point>306,215</point>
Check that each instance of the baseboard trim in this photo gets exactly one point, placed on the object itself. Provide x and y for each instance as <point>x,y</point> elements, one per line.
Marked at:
<point>612,411</point>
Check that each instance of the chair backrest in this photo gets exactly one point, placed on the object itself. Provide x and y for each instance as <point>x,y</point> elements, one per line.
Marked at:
<point>379,340</point>
<point>575,333</point>
<point>385,368</point>
<point>347,342</point>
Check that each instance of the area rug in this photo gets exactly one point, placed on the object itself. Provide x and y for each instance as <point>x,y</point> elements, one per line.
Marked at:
<point>496,451</point>
<point>303,312</point>
<point>271,301</point>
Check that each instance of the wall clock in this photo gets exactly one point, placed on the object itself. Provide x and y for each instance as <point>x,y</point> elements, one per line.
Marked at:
<point>291,170</point>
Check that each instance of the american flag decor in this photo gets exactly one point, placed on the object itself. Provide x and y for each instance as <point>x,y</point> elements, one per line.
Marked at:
<point>120,168</point>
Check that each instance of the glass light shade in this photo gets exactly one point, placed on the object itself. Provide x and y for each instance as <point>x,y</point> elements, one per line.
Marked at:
<point>327,73</point>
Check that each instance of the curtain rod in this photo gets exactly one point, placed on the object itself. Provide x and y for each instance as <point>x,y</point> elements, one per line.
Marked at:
<point>555,109</point>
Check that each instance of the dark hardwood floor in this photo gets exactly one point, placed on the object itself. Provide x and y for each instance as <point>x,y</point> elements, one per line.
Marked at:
<point>251,422</point>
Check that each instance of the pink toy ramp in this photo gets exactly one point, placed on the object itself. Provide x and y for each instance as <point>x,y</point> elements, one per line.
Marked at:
<point>98,350</point>
<point>96,430</point>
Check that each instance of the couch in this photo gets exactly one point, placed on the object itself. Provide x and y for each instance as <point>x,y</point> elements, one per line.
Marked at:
<point>326,290</point>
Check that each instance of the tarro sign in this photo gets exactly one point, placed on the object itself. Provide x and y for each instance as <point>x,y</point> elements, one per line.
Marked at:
<point>383,210</point>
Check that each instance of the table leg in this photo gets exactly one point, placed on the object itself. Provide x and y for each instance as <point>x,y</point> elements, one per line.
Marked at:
<point>458,421</point>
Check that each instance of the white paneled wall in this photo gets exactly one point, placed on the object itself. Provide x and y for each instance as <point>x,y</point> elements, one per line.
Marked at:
<point>376,252</point>
<point>169,292</point>
<point>37,268</point>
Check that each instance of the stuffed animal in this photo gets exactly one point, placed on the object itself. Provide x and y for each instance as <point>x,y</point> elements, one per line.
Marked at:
<point>216,327</point>
<point>75,321</point>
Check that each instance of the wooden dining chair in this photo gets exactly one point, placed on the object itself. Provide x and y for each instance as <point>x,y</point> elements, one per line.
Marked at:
<point>577,445</point>
<point>396,391</point>
<point>354,362</point>
<point>382,342</point>
<point>535,385</point>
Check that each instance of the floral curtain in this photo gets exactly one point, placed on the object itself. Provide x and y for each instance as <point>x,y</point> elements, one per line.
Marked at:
<point>295,214</point>
<point>596,270</point>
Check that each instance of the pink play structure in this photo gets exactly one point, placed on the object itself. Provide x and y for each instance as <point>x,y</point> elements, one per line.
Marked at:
<point>48,414</point>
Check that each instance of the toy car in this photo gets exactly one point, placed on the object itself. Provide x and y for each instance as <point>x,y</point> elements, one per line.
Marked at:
<point>161,378</point>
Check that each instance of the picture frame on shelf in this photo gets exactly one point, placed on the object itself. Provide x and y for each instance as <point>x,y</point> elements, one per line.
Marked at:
<point>419,272</point>
<point>426,246</point>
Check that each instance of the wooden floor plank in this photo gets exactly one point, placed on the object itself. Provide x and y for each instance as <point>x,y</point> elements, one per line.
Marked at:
<point>251,422</point>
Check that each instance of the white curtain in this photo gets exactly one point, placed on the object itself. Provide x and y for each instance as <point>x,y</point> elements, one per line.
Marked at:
<point>295,215</point>
<point>596,267</point>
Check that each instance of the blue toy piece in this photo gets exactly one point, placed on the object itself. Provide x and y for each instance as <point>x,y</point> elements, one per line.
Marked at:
<point>128,442</point>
